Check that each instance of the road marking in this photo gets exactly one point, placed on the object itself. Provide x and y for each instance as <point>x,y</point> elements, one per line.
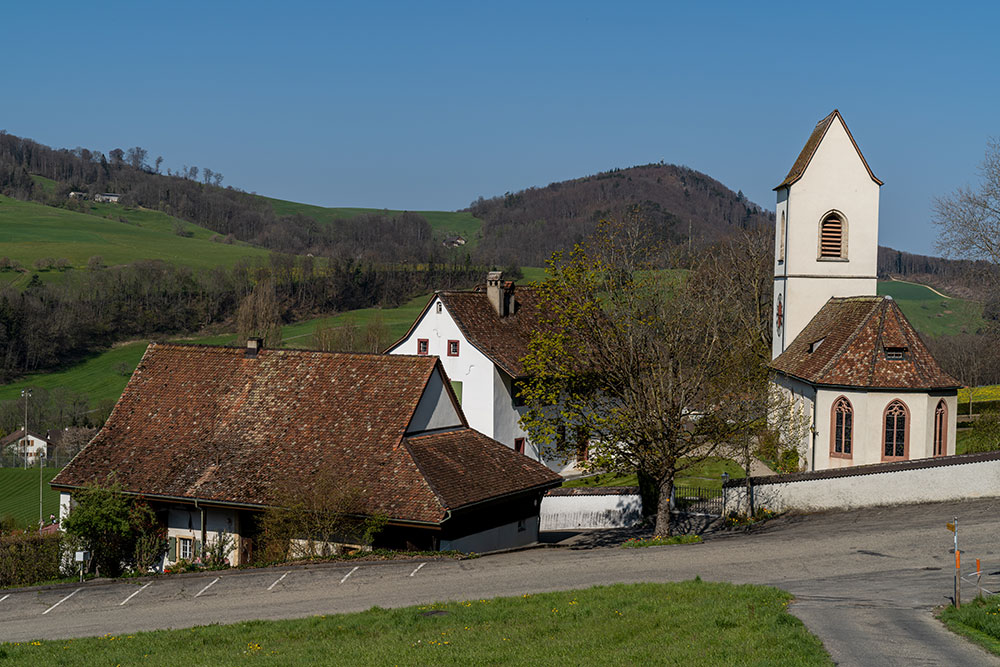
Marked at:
<point>61,601</point>
<point>349,573</point>
<point>207,587</point>
<point>279,580</point>
<point>122,603</point>
<point>417,569</point>
<point>5,597</point>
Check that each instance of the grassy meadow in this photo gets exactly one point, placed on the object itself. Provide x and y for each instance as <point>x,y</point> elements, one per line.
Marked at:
<point>30,231</point>
<point>931,313</point>
<point>707,474</point>
<point>689,623</point>
<point>19,494</point>
<point>444,223</point>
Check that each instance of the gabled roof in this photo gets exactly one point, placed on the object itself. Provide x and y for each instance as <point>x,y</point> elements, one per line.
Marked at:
<point>847,339</point>
<point>18,434</point>
<point>815,139</point>
<point>210,423</point>
<point>504,340</point>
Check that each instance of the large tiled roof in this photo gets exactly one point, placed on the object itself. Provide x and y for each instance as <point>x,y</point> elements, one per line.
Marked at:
<point>847,339</point>
<point>465,467</point>
<point>805,157</point>
<point>213,424</point>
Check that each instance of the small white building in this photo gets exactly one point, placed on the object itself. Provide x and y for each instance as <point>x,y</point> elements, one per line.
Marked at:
<point>481,337</point>
<point>107,197</point>
<point>848,357</point>
<point>31,447</point>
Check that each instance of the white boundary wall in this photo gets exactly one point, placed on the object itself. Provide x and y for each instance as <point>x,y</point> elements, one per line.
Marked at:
<point>942,479</point>
<point>571,509</point>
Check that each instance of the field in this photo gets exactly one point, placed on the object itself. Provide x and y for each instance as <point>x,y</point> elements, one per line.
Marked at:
<point>30,231</point>
<point>707,474</point>
<point>689,623</point>
<point>444,223</point>
<point>19,494</point>
<point>98,378</point>
<point>931,313</point>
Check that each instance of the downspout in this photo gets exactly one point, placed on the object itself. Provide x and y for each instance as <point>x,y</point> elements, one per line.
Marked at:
<point>812,465</point>
<point>204,533</point>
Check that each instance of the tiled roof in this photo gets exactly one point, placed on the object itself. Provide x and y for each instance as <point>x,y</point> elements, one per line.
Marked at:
<point>213,424</point>
<point>805,157</point>
<point>503,339</point>
<point>848,337</point>
<point>465,467</point>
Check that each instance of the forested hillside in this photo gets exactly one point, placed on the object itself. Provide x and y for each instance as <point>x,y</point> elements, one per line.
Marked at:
<point>678,204</point>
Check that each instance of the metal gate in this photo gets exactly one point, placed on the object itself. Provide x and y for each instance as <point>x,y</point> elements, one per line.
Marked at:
<point>700,500</point>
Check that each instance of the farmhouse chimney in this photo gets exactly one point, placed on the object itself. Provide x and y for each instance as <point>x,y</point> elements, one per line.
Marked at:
<point>254,345</point>
<point>500,293</point>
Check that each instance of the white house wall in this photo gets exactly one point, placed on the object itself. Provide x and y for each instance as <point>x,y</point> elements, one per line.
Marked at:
<point>470,367</point>
<point>435,409</point>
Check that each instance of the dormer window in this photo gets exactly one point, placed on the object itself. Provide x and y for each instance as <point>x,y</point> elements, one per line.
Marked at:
<point>832,237</point>
<point>895,353</point>
<point>813,346</point>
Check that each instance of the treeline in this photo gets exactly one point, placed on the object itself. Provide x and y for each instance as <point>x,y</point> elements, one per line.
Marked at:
<point>46,325</point>
<point>228,211</point>
<point>960,277</point>
<point>677,204</point>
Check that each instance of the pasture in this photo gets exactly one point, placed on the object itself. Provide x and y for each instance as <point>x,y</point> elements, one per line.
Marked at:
<point>931,313</point>
<point>19,494</point>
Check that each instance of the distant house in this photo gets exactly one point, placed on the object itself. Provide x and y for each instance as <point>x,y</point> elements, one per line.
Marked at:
<point>30,447</point>
<point>211,435</point>
<point>76,194</point>
<point>481,337</point>
<point>453,242</point>
<point>107,198</point>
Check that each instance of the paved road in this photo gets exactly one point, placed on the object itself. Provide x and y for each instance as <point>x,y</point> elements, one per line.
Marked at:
<point>866,583</point>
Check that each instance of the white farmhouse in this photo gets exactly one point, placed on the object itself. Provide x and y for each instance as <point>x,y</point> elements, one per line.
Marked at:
<point>27,448</point>
<point>850,358</point>
<point>481,337</point>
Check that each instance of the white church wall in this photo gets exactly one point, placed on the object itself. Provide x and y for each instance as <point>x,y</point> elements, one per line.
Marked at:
<point>470,367</point>
<point>800,401</point>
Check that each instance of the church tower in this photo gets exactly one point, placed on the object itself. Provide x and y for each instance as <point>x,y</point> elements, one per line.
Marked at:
<point>826,241</point>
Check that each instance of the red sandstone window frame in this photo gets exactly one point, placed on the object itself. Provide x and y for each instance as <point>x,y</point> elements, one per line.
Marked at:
<point>892,407</point>
<point>451,344</point>
<point>941,429</point>
<point>423,345</point>
<point>519,445</point>
<point>846,429</point>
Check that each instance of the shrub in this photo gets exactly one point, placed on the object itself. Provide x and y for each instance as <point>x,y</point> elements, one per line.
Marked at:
<point>984,435</point>
<point>28,558</point>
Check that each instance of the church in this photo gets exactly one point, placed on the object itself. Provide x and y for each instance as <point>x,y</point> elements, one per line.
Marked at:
<point>848,357</point>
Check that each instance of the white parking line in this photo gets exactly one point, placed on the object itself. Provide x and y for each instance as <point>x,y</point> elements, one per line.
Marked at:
<point>207,587</point>
<point>61,601</point>
<point>349,573</point>
<point>122,603</point>
<point>5,597</point>
<point>417,569</point>
<point>279,580</point>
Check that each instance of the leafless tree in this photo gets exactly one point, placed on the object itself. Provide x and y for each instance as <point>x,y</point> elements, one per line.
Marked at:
<point>259,315</point>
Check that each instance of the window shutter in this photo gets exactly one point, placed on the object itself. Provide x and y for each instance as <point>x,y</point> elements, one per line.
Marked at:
<point>173,549</point>
<point>831,238</point>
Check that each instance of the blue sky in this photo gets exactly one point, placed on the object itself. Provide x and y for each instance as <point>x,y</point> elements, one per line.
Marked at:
<point>430,105</point>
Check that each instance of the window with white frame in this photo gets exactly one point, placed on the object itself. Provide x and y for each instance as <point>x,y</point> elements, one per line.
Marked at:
<point>184,548</point>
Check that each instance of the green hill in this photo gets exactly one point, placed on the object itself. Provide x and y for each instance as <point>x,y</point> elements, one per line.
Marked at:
<point>931,313</point>
<point>444,223</point>
<point>30,231</point>
<point>19,494</point>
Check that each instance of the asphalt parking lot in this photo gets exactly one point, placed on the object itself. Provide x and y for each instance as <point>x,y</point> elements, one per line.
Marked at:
<point>866,582</point>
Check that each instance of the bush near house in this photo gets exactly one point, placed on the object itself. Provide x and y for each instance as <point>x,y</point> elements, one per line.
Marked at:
<point>27,558</point>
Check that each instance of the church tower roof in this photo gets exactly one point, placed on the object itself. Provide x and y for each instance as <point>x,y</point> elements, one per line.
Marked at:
<point>802,161</point>
<point>862,341</point>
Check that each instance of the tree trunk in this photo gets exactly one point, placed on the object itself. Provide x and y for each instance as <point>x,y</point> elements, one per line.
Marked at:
<point>663,516</point>
<point>649,492</point>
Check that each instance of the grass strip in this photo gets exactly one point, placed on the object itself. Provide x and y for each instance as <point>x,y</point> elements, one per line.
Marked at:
<point>978,620</point>
<point>685,623</point>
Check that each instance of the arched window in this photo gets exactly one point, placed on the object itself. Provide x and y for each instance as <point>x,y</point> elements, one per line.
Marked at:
<point>941,429</point>
<point>832,237</point>
<point>842,431</point>
<point>781,238</point>
<point>896,431</point>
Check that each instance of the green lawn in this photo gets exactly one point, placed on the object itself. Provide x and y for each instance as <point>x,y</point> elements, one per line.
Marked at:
<point>444,223</point>
<point>99,378</point>
<point>933,314</point>
<point>30,231</point>
<point>689,623</point>
<point>979,620</point>
<point>19,494</point>
<point>708,474</point>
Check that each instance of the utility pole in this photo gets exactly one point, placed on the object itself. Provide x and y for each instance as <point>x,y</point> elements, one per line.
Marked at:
<point>25,394</point>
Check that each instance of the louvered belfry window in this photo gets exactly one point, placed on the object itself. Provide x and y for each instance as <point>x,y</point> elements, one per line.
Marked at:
<point>831,237</point>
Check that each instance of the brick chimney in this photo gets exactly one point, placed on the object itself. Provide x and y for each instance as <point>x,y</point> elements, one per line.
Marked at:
<point>254,345</point>
<point>500,293</point>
